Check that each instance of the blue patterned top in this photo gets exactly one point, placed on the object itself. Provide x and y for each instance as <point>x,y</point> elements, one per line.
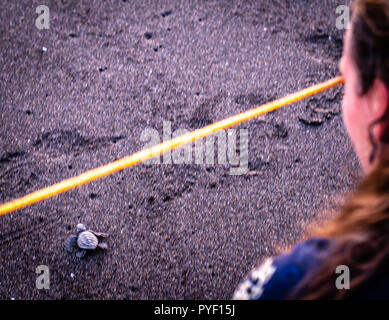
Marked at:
<point>277,276</point>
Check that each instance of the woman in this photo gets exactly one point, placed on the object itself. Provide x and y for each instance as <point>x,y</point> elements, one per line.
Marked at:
<point>355,244</point>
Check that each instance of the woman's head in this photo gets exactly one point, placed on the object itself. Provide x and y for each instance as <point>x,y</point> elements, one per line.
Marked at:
<point>365,67</point>
<point>361,229</point>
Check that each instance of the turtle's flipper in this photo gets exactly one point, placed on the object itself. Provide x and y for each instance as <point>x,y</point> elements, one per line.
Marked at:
<point>81,254</point>
<point>99,234</point>
<point>103,246</point>
<point>70,243</point>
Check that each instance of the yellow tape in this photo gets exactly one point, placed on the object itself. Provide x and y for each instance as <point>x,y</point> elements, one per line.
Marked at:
<point>159,149</point>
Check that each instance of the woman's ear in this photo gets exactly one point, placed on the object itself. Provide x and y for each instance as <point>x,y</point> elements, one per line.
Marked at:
<point>379,102</point>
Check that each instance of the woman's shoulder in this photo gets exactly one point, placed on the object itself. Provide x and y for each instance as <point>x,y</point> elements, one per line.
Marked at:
<point>277,276</point>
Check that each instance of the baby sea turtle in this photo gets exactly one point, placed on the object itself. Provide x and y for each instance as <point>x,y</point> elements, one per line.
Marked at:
<point>85,240</point>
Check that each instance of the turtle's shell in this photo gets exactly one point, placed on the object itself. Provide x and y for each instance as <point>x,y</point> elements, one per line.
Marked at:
<point>87,240</point>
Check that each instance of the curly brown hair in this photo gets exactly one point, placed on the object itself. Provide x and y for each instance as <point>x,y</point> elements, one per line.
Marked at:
<point>360,231</point>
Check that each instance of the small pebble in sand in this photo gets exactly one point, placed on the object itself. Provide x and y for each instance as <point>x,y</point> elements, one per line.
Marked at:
<point>148,35</point>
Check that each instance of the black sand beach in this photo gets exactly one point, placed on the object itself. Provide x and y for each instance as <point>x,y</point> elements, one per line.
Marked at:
<point>110,70</point>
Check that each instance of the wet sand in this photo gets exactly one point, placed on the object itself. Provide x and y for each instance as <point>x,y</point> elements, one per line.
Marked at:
<point>115,68</point>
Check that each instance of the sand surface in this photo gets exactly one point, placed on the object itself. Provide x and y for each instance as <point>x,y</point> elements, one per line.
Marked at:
<point>113,69</point>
